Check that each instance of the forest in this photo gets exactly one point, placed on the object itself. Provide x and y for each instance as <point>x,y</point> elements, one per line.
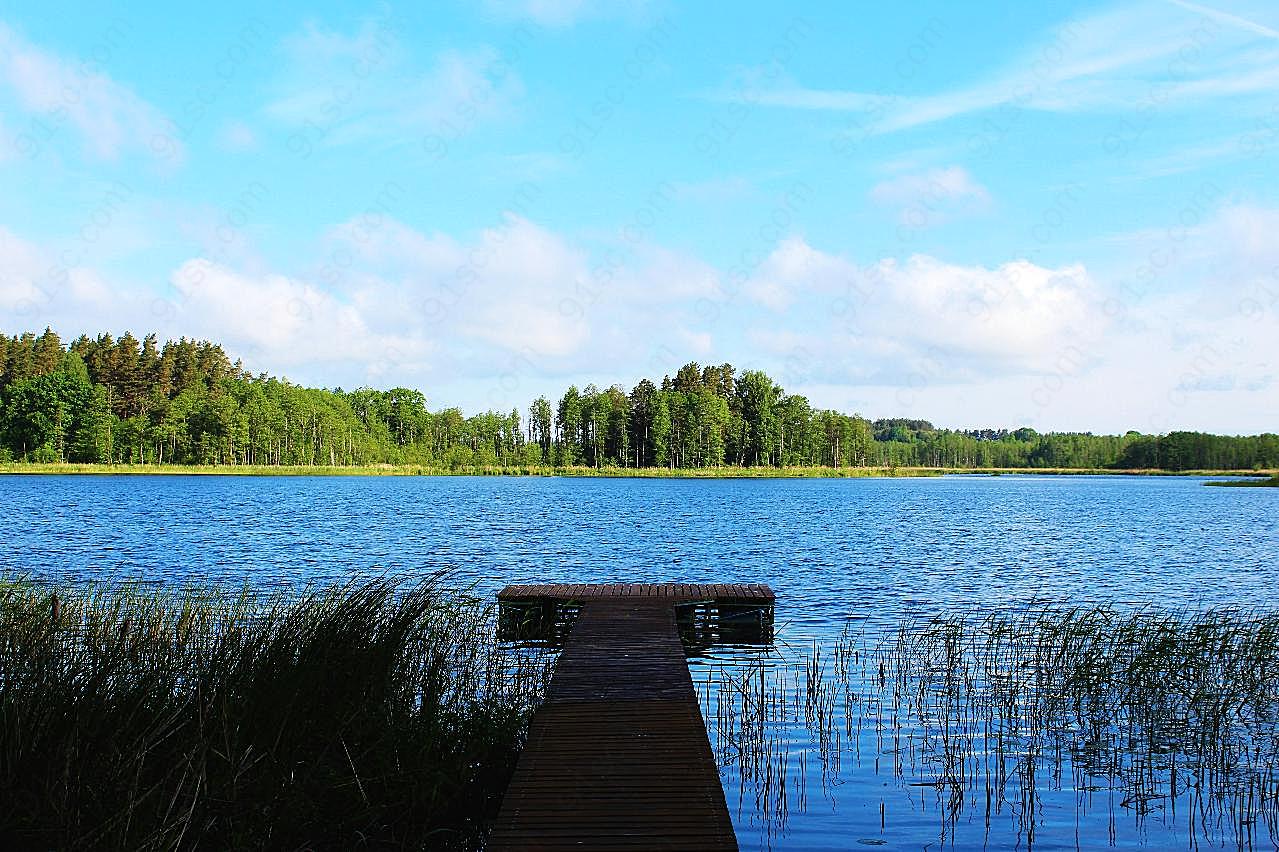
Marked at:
<point>121,400</point>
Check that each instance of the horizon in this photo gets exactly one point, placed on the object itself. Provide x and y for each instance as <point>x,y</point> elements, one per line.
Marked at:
<point>436,405</point>
<point>1056,218</point>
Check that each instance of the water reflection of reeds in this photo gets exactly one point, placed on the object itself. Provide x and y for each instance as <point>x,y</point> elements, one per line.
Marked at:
<point>1165,722</point>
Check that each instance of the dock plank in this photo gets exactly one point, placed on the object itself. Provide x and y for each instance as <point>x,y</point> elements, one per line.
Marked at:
<point>618,756</point>
<point>746,593</point>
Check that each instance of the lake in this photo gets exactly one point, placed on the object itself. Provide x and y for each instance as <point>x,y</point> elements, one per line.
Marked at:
<point>863,553</point>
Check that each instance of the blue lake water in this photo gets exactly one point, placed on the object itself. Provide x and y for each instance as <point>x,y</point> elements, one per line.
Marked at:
<point>869,550</point>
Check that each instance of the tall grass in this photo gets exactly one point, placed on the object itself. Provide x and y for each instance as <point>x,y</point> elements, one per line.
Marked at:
<point>371,715</point>
<point>1159,718</point>
<point>1170,710</point>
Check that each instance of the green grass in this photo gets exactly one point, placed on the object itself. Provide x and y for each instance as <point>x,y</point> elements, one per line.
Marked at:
<point>373,714</point>
<point>1272,482</point>
<point>725,472</point>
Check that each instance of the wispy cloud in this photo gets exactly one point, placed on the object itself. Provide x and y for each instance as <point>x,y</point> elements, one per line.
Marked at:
<point>931,197</point>
<point>77,93</point>
<point>562,13</point>
<point>237,137</point>
<point>1186,159</point>
<point>714,190</point>
<point>1226,17</point>
<point>1167,52</point>
<point>340,88</point>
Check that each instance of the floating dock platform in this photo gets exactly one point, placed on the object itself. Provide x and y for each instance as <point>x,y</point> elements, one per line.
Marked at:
<point>618,757</point>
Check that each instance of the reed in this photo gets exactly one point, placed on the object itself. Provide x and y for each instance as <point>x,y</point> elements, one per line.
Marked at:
<point>1166,710</point>
<point>1150,717</point>
<point>376,713</point>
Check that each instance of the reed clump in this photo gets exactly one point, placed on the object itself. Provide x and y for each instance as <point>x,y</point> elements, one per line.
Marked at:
<point>1147,717</point>
<point>373,714</point>
<point>1175,713</point>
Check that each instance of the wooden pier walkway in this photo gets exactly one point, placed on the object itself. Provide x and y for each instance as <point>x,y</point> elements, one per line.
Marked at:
<point>618,755</point>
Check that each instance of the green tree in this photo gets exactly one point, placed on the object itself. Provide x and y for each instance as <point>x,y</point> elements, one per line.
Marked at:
<point>757,398</point>
<point>660,431</point>
<point>541,426</point>
<point>568,420</point>
<point>643,409</point>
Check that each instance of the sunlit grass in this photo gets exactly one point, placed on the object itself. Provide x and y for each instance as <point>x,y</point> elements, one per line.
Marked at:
<point>723,472</point>
<point>374,714</point>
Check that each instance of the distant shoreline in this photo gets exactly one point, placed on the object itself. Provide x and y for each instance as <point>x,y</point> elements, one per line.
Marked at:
<point>29,469</point>
<point>1272,482</point>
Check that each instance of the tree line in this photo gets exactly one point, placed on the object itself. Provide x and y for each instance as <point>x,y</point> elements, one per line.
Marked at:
<point>123,400</point>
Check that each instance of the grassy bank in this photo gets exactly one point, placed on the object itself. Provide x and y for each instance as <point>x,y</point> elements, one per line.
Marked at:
<point>1272,482</point>
<point>370,715</point>
<point>491,470</point>
<point>536,470</point>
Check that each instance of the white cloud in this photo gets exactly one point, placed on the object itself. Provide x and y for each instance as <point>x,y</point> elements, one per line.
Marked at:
<point>696,344</point>
<point>237,137</point>
<point>528,166</point>
<point>496,317</point>
<point>1226,17</point>
<point>342,88</point>
<point>521,290</point>
<point>798,97</point>
<point>953,183</point>
<point>562,13</point>
<point>886,316</point>
<point>1247,232</point>
<point>59,92</point>
<point>8,150</point>
<point>21,267</point>
<point>1015,316</point>
<point>929,198</point>
<point>38,289</point>
<point>283,323</point>
<point>714,190</point>
<point>1056,348</point>
<point>1187,159</point>
<point>795,269</point>
<point>658,277</point>
<point>1148,52</point>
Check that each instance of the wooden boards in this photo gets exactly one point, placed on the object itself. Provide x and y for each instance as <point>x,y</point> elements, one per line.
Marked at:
<point>618,755</point>
<point>725,593</point>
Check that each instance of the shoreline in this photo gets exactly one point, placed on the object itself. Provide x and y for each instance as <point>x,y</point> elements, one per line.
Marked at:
<point>1272,482</point>
<point>65,469</point>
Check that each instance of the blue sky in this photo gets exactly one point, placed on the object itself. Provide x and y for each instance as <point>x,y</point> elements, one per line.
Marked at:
<point>1056,215</point>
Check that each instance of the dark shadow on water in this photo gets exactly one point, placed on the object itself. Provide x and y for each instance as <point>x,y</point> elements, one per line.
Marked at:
<point>544,624</point>
<point>702,625</point>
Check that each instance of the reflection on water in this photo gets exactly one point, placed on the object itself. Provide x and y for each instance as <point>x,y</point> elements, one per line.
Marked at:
<point>877,551</point>
<point>707,626</point>
<point>703,625</point>
<point>545,623</point>
<point>1040,727</point>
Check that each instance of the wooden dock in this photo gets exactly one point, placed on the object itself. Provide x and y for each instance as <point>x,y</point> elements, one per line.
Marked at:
<point>756,594</point>
<point>618,755</point>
